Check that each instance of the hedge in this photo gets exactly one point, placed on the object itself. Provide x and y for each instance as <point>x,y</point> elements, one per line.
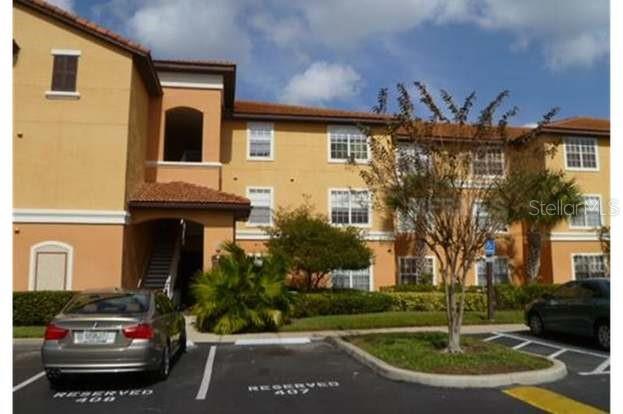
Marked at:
<point>338,302</point>
<point>38,307</point>
<point>412,298</point>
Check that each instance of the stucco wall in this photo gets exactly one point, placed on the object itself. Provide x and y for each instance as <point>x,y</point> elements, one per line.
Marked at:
<point>97,252</point>
<point>68,153</point>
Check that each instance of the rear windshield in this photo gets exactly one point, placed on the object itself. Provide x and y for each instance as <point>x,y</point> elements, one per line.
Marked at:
<point>108,303</point>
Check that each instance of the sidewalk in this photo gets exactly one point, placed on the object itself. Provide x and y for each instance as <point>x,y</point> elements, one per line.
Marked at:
<point>199,337</point>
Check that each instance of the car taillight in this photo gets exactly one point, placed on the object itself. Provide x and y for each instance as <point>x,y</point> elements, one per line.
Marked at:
<point>140,331</point>
<point>54,333</point>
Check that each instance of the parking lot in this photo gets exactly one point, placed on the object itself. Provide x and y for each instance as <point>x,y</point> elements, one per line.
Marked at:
<point>307,378</point>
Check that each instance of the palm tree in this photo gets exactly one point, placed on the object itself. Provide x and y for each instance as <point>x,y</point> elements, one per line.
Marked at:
<point>539,200</point>
<point>242,293</point>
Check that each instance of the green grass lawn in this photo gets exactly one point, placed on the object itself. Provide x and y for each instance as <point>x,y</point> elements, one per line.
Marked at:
<point>28,331</point>
<point>394,319</point>
<point>424,352</point>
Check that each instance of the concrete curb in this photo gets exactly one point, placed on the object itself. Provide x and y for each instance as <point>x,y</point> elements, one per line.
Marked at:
<point>557,371</point>
<point>27,341</point>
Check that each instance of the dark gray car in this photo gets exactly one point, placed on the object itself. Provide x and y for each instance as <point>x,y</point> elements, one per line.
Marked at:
<point>112,331</point>
<point>579,307</point>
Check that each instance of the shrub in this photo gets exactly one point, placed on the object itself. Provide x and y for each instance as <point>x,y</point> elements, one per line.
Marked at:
<point>38,307</point>
<point>412,287</point>
<point>241,295</point>
<point>517,297</point>
<point>433,301</point>
<point>337,302</point>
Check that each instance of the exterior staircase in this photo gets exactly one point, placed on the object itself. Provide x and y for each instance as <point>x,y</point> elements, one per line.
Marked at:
<point>159,267</point>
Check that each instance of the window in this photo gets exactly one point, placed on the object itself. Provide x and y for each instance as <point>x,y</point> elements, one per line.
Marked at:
<point>261,206</point>
<point>260,141</point>
<point>482,217</point>
<point>588,265</point>
<point>411,158</point>
<point>500,271</point>
<point>589,214</point>
<point>488,162</point>
<point>51,265</point>
<point>581,153</point>
<point>408,270</point>
<point>351,279</point>
<point>64,72</point>
<point>350,207</point>
<point>346,143</point>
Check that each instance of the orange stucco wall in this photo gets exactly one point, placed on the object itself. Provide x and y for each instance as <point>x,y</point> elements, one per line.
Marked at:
<point>97,252</point>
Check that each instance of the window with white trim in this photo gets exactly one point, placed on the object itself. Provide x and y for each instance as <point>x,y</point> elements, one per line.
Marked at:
<point>483,218</point>
<point>261,206</point>
<point>408,270</point>
<point>260,136</point>
<point>351,279</point>
<point>347,143</point>
<point>411,158</point>
<point>488,162</point>
<point>589,265</point>
<point>581,153</point>
<point>350,207</point>
<point>588,214</point>
<point>501,273</point>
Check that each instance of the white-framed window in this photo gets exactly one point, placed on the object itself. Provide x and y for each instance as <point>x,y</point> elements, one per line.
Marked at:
<point>347,142</point>
<point>352,279</point>
<point>350,207</point>
<point>260,141</point>
<point>51,266</point>
<point>411,158</point>
<point>488,162</point>
<point>501,271</point>
<point>587,265</point>
<point>589,214</point>
<point>407,266</point>
<point>581,154</point>
<point>64,74</point>
<point>483,218</point>
<point>261,206</point>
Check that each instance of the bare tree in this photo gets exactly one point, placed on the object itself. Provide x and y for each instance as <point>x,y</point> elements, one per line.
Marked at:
<point>444,179</point>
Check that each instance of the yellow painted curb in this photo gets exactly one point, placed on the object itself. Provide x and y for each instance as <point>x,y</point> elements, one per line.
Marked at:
<point>550,401</point>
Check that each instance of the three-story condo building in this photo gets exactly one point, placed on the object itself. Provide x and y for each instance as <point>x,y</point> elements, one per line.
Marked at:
<point>130,171</point>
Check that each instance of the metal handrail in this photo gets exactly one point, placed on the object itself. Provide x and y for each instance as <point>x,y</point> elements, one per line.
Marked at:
<point>170,282</point>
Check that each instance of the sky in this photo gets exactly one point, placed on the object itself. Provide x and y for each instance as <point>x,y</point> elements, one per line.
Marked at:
<point>547,53</point>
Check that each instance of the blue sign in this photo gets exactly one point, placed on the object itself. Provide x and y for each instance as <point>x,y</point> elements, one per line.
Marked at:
<point>489,247</point>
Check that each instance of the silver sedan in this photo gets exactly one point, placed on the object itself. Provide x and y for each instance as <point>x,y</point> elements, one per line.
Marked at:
<point>114,331</point>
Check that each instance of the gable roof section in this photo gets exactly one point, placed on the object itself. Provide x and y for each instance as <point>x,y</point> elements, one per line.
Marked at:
<point>580,125</point>
<point>276,111</point>
<point>219,67</point>
<point>140,55</point>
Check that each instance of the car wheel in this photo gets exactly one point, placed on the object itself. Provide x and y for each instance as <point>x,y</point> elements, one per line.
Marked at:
<point>602,335</point>
<point>165,364</point>
<point>536,324</point>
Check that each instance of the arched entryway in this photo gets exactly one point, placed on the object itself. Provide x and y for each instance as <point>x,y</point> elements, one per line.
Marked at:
<point>183,135</point>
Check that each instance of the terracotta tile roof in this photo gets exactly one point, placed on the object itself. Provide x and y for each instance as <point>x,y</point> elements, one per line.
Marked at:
<point>196,62</point>
<point>145,64</point>
<point>179,194</point>
<point>581,124</point>
<point>269,110</point>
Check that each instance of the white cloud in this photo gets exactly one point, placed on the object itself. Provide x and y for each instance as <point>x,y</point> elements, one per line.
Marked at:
<point>322,82</point>
<point>63,4</point>
<point>193,29</point>
<point>569,33</point>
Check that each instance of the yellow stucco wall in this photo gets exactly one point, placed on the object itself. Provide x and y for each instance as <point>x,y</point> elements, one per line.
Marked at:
<point>300,167</point>
<point>68,153</point>
<point>97,252</point>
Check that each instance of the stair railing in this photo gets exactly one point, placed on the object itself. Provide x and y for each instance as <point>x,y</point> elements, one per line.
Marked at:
<point>175,260</point>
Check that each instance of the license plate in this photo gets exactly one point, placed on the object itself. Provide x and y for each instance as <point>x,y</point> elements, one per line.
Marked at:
<point>94,337</point>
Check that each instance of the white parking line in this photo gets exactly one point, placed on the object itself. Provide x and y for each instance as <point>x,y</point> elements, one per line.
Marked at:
<point>521,345</point>
<point>28,381</point>
<point>554,345</point>
<point>273,341</point>
<point>601,369</point>
<point>491,338</point>
<point>557,353</point>
<point>207,374</point>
